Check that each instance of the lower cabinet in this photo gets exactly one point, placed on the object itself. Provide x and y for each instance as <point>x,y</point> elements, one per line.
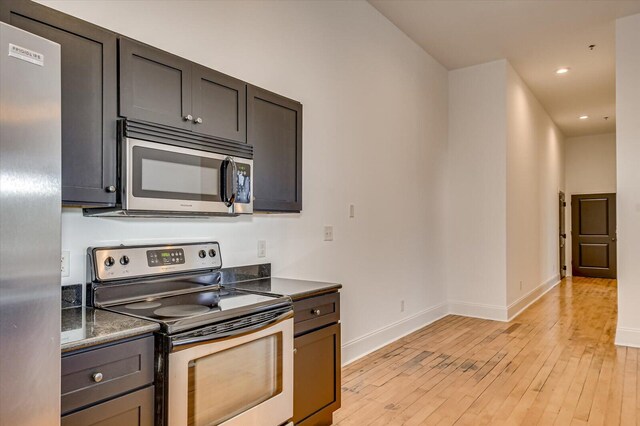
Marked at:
<point>109,385</point>
<point>317,360</point>
<point>134,409</point>
<point>317,376</point>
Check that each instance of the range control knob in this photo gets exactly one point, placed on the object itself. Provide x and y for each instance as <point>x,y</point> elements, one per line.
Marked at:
<point>109,261</point>
<point>202,254</point>
<point>124,260</point>
<point>212,253</point>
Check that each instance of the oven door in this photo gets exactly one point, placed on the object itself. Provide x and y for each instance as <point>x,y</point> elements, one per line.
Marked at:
<point>240,379</point>
<point>161,177</point>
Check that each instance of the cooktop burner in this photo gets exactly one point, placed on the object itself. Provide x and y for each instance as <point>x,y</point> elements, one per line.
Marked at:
<point>143,305</point>
<point>181,310</point>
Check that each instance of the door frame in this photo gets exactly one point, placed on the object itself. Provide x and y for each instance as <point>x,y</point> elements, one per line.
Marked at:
<point>562,234</point>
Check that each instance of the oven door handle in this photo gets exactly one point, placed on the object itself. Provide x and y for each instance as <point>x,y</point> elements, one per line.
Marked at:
<point>190,340</point>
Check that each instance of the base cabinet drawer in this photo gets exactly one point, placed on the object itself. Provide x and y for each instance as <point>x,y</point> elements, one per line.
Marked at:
<point>134,409</point>
<point>316,376</point>
<point>99,374</point>
<point>316,312</point>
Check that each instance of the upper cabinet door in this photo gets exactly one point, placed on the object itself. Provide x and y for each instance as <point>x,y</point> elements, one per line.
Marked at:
<point>219,105</point>
<point>89,99</point>
<point>155,86</point>
<point>274,128</point>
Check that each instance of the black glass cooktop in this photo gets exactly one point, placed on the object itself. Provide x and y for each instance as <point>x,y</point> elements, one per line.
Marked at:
<point>191,310</point>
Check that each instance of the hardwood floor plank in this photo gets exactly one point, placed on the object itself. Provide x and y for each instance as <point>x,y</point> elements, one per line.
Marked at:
<point>556,363</point>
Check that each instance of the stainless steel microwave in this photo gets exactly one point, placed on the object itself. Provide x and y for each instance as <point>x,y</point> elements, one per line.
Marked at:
<point>162,180</point>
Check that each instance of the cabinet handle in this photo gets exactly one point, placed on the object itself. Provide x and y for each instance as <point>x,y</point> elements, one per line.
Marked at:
<point>198,120</point>
<point>315,312</point>
<point>97,377</point>
<point>110,188</point>
<point>188,117</point>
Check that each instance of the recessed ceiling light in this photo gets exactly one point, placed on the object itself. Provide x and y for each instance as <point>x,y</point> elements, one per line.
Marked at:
<point>563,70</point>
<point>583,117</point>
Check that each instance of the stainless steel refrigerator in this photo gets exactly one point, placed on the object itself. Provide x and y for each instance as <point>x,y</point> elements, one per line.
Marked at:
<point>30,189</point>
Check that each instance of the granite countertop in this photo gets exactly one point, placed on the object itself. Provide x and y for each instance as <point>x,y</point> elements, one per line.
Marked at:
<point>296,289</point>
<point>83,327</point>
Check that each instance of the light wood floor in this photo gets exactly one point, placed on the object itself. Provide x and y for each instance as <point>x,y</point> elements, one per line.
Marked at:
<point>554,364</point>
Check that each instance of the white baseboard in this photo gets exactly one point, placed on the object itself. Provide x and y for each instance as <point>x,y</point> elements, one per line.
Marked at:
<point>517,307</point>
<point>628,337</point>
<point>478,310</point>
<point>370,342</point>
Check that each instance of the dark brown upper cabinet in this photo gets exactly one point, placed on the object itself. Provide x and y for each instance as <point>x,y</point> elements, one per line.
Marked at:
<point>219,104</point>
<point>274,128</point>
<point>89,104</point>
<point>162,88</point>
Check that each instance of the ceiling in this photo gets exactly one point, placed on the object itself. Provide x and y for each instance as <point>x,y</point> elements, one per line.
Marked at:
<point>537,37</point>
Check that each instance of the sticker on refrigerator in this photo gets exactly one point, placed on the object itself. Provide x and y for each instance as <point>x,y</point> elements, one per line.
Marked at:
<point>26,54</point>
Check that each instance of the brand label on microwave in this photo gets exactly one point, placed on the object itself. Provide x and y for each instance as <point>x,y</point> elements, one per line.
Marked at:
<point>26,54</point>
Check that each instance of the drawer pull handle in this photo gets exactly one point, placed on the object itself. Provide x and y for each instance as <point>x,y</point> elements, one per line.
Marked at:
<point>316,312</point>
<point>97,377</point>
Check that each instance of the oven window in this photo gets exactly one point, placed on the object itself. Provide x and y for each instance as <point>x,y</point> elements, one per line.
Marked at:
<point>227,383</point>
<point>175,176</point>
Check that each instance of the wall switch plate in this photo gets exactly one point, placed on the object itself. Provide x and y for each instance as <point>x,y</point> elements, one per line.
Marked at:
<point>352,211</point>
<point>65,264</point>
<point>328,233</point>
<point>262,248</point>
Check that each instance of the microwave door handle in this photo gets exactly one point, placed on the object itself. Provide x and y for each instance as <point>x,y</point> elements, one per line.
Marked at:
<point>224,170</point>
<point>224,182</point>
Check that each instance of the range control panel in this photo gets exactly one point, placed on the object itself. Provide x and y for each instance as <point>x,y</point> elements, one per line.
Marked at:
<point>123,262</point>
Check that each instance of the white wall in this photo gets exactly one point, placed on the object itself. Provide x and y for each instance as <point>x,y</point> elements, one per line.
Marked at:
<point>590,164</point>
<point>535,175</point>
<point>476,193</point>
<point>375,134</point>
<point>505,168</point>
<point>628,178</point>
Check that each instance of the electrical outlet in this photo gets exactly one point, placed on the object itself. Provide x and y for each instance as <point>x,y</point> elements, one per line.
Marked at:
<point>262,248</point>
<point>328,233</point>
<point>402,306</point>
<point>65,264</point>
<point>352,211</point>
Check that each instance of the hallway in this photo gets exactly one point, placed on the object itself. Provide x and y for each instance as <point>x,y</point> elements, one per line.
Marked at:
<point>556,363</point>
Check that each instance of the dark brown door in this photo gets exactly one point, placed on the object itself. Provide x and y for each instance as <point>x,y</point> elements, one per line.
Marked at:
<point>89,98</point>
<point>593,233</point>
<point>563,236</point>
<point>219,105</point>
<point>155,85</point>
<point>274,128</point>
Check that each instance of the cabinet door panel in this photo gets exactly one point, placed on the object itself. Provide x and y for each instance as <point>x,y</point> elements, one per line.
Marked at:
<point>220,101</point>
<point>316,372</point>
<point>89,91</point>
<point>134,409</point>
<point>275,131</point>
<point>155,86</point>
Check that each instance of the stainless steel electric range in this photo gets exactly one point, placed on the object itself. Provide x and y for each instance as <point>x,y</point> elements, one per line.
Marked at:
<point>223,356</point>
